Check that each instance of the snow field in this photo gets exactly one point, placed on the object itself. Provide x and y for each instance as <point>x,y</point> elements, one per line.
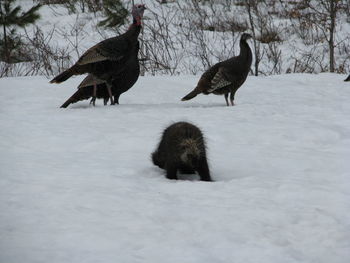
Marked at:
<point>77,184</point>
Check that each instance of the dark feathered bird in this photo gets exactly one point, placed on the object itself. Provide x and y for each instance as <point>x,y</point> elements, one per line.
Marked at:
<point>106,60</point>
<point>97,88</point>
<point>347,79</point>
<point>227,76</point>
<point>182,148</point>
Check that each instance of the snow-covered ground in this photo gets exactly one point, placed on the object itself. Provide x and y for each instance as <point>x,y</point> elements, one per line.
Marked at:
<point>77,184</point>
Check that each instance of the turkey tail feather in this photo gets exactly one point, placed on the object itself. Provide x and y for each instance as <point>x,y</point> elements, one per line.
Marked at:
<point>63,76</point>
<point>72,99</point>
<point>80,94</point>
<point>190,95</point>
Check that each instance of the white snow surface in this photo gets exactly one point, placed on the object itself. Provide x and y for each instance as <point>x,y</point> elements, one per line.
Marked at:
<point>78,185</point>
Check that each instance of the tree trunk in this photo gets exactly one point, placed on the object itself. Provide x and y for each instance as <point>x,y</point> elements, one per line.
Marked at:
<point>333,13</point>
<point>6,51</point>
<point>256,48</point>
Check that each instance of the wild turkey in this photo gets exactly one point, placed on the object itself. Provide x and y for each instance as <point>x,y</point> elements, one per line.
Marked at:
<point>106,60</point>
<point>97,88</point>
<point>347,79</point>
<point>227,76</point>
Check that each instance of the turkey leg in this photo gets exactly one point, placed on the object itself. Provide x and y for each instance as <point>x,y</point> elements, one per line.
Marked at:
<point>110,92</point>
<point>226,96</point>
<point>232,97</point>
<point>93,95</point>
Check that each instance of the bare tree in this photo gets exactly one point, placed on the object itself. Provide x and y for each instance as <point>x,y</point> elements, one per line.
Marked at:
<point>325,13</point>
<point>47,59</point>
<point>265,34</point>
<point>318,21</point>
<point>161,48</point>
<point>210,32</point>
<point>252,9</point>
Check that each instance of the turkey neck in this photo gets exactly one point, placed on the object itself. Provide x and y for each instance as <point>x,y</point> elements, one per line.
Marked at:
<point>134,30</point>
<point>245,52</point>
